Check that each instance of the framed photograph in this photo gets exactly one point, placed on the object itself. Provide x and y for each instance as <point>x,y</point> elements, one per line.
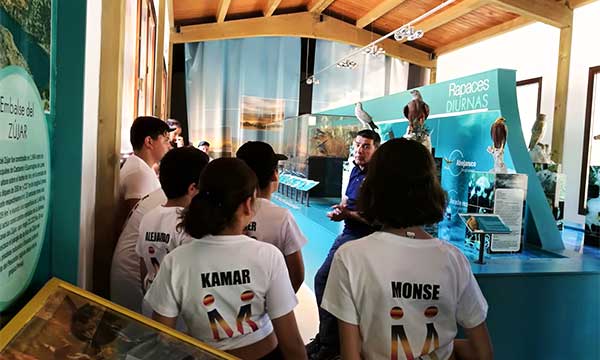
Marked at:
<point>262,114</point>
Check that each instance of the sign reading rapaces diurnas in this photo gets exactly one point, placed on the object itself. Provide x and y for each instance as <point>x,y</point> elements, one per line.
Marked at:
<point>24,181</point>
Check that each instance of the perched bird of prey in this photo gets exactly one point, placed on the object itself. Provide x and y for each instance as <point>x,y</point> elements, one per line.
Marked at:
<point>417,110</point>
<point>364,117</point>
<point>499,131</point>
<point>537,131</point>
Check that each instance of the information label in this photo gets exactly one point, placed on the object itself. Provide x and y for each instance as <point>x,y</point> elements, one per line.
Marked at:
<point>24,181</point>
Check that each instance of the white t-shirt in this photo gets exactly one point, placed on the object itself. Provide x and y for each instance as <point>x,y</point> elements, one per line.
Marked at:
<point>275,225</point>
<point>136,179</point>
<point>125,282</point>
<point>158,236</point>
<point>226,288</point>
<point>404,294</point>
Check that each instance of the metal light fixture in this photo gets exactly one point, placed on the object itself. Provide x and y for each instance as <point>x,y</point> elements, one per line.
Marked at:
<point>347,64</point>
<point>409,33</point>
<point>312,80</point>
<point>374,50</point>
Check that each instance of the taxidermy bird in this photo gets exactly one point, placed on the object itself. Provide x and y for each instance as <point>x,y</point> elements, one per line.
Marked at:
<point>499,131</point>
<point>417,110</point>
<point>537,131</point>
<point>364,117</point>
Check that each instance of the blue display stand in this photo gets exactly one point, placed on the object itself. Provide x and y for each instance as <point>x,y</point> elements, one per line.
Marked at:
<point>461,114</point>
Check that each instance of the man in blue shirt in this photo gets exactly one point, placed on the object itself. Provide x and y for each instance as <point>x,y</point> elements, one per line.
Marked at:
<point>326,345</point>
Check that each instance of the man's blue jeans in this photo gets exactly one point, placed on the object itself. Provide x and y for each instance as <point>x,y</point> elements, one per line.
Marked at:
<point>328,327</point>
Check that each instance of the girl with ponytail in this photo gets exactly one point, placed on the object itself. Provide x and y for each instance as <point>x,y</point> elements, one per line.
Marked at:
<point>232,291</point>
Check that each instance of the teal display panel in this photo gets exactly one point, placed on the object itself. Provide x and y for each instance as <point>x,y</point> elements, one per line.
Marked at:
<point>461,114</point>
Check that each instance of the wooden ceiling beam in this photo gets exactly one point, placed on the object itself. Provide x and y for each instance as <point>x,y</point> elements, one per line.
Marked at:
<point>573,4</point>
<point>222,10</point>
<point>551,12</point>
<point>449,14</point>
<point>484,35</point>
<point>304,24</point>
<point>317,6</point>
<point>378,11</point>
<point>271,7</point>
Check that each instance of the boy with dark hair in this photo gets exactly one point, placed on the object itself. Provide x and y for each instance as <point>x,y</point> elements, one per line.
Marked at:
<point>326,344</point>
<point>179,172</point>
<point>149,138</point>
<point>271,223</point>
<point>158,232</point>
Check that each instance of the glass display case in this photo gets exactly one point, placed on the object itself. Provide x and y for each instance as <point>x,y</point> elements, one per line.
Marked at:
<point>65,322</point>
<point>317,136</point>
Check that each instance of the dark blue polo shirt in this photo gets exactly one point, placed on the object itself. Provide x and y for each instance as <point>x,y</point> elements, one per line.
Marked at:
<point>357,176</point>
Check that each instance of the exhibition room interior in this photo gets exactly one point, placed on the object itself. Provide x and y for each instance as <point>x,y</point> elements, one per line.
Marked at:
<point>504,95</point>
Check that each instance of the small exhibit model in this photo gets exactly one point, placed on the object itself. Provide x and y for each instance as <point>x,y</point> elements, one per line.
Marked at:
<point>498,132</point>
<point>537,131</point>
<point>416,112</point>
<point>364,117</point>
<point>539,153</point>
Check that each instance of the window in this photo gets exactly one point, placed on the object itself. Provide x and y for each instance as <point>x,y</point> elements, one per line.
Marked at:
<point>590,164</point>
<point>529,98</point>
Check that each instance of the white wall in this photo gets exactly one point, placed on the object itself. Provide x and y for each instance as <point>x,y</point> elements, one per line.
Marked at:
<point>93,36</point>
<point>533,52</point>
<point>585,54</point>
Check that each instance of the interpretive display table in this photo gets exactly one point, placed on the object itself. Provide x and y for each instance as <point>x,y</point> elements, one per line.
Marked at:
<point>296,187</point>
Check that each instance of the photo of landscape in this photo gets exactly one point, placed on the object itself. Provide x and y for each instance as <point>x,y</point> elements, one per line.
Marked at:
<point>25,40</point>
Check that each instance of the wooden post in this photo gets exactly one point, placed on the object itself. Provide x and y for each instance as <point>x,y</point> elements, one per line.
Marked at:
<point>109,140</point>
<point>169,79</point>
<point>562,89</point>
<point>432,75</point>
<point>170,58</point>
<point>159,59</point>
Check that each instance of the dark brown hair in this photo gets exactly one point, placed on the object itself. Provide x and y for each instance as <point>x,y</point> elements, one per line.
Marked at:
<point>370,134</point>
<point>401,188</point>
<point>224,184</point>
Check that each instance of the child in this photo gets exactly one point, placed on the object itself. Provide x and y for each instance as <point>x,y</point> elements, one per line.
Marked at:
<point>273,224</point>
<point>180,168</point>
<point>399,293</point>
<point>232,291</point>
<point>158,234</point>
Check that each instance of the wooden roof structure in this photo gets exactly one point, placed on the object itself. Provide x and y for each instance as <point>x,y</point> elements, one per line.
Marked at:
<point>358,22</point>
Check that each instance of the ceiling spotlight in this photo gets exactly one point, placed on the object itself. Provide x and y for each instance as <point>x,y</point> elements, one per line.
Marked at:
<point>312,80</point>
<point>409,33</point>
<point>347,64</point>
<point>374,50</point>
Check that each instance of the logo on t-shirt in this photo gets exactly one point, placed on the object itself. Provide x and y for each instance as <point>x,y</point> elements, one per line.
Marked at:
<point>414,291</point>
<point>216,320</point>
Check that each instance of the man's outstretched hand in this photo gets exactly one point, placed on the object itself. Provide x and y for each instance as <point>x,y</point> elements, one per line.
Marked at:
<point>339,213</point>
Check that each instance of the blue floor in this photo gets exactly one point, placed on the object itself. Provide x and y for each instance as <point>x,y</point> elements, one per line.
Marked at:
<point>321,233</point>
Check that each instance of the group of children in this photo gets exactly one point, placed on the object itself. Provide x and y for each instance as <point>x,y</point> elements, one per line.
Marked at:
<point>211,250</point>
